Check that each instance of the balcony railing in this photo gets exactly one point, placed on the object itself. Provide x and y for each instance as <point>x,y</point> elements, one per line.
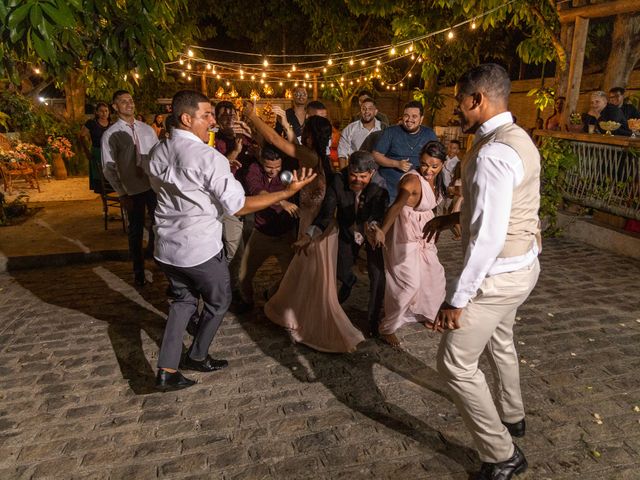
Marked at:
<point>607,175</point>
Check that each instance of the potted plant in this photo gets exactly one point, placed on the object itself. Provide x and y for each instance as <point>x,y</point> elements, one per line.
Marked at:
<point>575,123</point>
<point>59,147</point>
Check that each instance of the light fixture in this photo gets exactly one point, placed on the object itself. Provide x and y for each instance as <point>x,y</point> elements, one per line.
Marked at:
<point>377,62</point>
<point>265,63</point>
<point>473,25</point>
<point>288,74</point>
<point>306,75</point>
<point>36,71</point>
<point>208,66</point>
<point>324,70</point>
<point>351,62</point>
<point>183,74</point>
<point>280,83</point>
<point>264,75</point>
<point>393,51</point>
<point>228,83</point>
<point>181,61</point>
<point>253,77</point>
<point>363,63</point>
<point>189,78</point>
<point>293,68</point>
<point>190,53</point>
<point>189,66</point>
<point>450,34</point>
<point>329,62</point>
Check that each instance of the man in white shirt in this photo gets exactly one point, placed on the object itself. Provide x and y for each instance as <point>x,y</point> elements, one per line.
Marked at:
<point>355,133</point>
<point>448,171</point>
<point>195,187</point>
<point>500,235</point>
<point>125,145</point>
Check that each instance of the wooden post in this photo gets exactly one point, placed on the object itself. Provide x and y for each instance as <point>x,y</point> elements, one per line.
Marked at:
<point>203,82</point>
<point>315,86</point>
<point>575,67</point>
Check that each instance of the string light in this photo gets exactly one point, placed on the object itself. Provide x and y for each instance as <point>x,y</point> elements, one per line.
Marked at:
<point>381,55</point>
<point>253,77</point>
<point>36,71</point>
<point>183,74</point>
<point>280,83</point>
<point>228,83</point>
<point>189,78</point>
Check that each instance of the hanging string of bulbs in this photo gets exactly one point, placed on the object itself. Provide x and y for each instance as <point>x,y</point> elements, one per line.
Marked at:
<point>349,67</point>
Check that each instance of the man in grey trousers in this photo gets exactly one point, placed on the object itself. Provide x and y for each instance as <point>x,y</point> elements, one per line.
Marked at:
<point>195,187</point>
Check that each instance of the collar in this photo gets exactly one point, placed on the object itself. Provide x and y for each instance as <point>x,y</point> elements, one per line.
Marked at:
<point>126,124</point>
<point>179,132</point>
<point>376,123</point>
<point>493,123</point>
<point>455,157</point>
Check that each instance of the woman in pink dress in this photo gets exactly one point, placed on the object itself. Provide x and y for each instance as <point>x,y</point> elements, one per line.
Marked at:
<point>306,302</point>
<point>415,286</point>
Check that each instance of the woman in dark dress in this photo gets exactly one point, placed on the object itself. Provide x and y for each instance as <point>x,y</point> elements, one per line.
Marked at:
<point>93,130</point>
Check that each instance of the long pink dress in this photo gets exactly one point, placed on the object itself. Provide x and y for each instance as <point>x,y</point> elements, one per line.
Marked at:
<point>415,286</point>
<point>306,302</point>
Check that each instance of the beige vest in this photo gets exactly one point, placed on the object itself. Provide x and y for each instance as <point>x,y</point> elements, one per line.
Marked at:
<point>523,227</point>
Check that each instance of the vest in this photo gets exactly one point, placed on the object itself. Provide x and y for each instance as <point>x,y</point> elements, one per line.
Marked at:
<point>523,227</point>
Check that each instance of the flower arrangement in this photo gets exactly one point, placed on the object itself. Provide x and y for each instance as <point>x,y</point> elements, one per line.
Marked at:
<point>575,119</point>
<point>634,125</point>
<point>12,158</point>
<point>34,152</point>
<point>61,145</point>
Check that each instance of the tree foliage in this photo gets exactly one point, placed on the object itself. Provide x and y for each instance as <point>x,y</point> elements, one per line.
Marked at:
<point>93,43</point>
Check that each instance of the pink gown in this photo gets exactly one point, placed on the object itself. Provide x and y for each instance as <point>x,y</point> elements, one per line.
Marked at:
<point>415,286</point>
<point>306,302</point>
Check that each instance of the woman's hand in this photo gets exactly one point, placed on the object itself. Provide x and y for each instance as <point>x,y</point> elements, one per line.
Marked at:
<point>291,208</point>
<point>241,128</point>
<point>302,245</point>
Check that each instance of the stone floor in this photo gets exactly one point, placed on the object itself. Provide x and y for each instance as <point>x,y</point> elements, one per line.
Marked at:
<point>78,347</point>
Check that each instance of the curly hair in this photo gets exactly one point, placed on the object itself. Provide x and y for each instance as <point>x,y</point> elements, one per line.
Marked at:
<point>436,150</point>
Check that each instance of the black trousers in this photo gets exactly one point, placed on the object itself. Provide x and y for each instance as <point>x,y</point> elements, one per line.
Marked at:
<point>347,256</point>
<point>140,203</point>
<point>209,280</point>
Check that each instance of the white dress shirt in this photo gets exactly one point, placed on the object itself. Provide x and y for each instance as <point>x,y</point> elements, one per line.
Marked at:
<point>195,187</point>
<point>353,135</point>
<point>491,181</point>
<point>449,167</point>
<point>123,149</point>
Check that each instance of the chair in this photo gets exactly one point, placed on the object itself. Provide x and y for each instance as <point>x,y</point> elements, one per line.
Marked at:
<point>110,199</point>
<point>11,171</point>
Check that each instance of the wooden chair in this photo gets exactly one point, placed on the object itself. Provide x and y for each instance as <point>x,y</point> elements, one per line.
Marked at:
<point>110,199</point>
<point>11,171</point>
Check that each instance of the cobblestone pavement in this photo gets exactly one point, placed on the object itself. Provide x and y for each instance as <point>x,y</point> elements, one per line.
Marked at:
<point>78,348</point>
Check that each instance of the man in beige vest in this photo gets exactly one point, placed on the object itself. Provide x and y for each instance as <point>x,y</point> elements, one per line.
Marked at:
<point>500,238</point>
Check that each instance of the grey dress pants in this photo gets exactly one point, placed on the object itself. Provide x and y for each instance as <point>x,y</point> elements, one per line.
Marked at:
<point>209,280</point>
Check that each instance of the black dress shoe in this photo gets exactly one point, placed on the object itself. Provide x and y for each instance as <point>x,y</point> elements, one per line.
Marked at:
<point>516,429</point>
<point>207,365</point>
<point>167,381</point>
<point>504,470</point>
<point>344,292</point>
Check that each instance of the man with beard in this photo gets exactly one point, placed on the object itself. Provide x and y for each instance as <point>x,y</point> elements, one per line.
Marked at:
<point>501,241</point>
<point>398,150</point>
<point>274,230</point>
<point>297,114</point>
<point>233,140</point>
<point>354,134</point>
<point>360,204</point>
<point>195,187</point>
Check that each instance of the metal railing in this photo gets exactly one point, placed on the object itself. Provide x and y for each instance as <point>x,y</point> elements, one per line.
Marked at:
<point>607,174</point>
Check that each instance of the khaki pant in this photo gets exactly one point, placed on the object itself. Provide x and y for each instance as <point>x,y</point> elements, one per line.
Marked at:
<point>258,249</point>
<point>487,325</point>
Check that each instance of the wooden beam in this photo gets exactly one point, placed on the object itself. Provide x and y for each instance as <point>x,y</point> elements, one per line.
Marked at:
<point>599,10</point>
<point>575,67</point>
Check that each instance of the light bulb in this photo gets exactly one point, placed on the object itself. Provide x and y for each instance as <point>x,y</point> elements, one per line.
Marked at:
<point>265,63</point>
<point>329,62</point>
<point>450,34</point>
<point>190,53</point>
<point>393,51</point>
<point>293,68</point>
